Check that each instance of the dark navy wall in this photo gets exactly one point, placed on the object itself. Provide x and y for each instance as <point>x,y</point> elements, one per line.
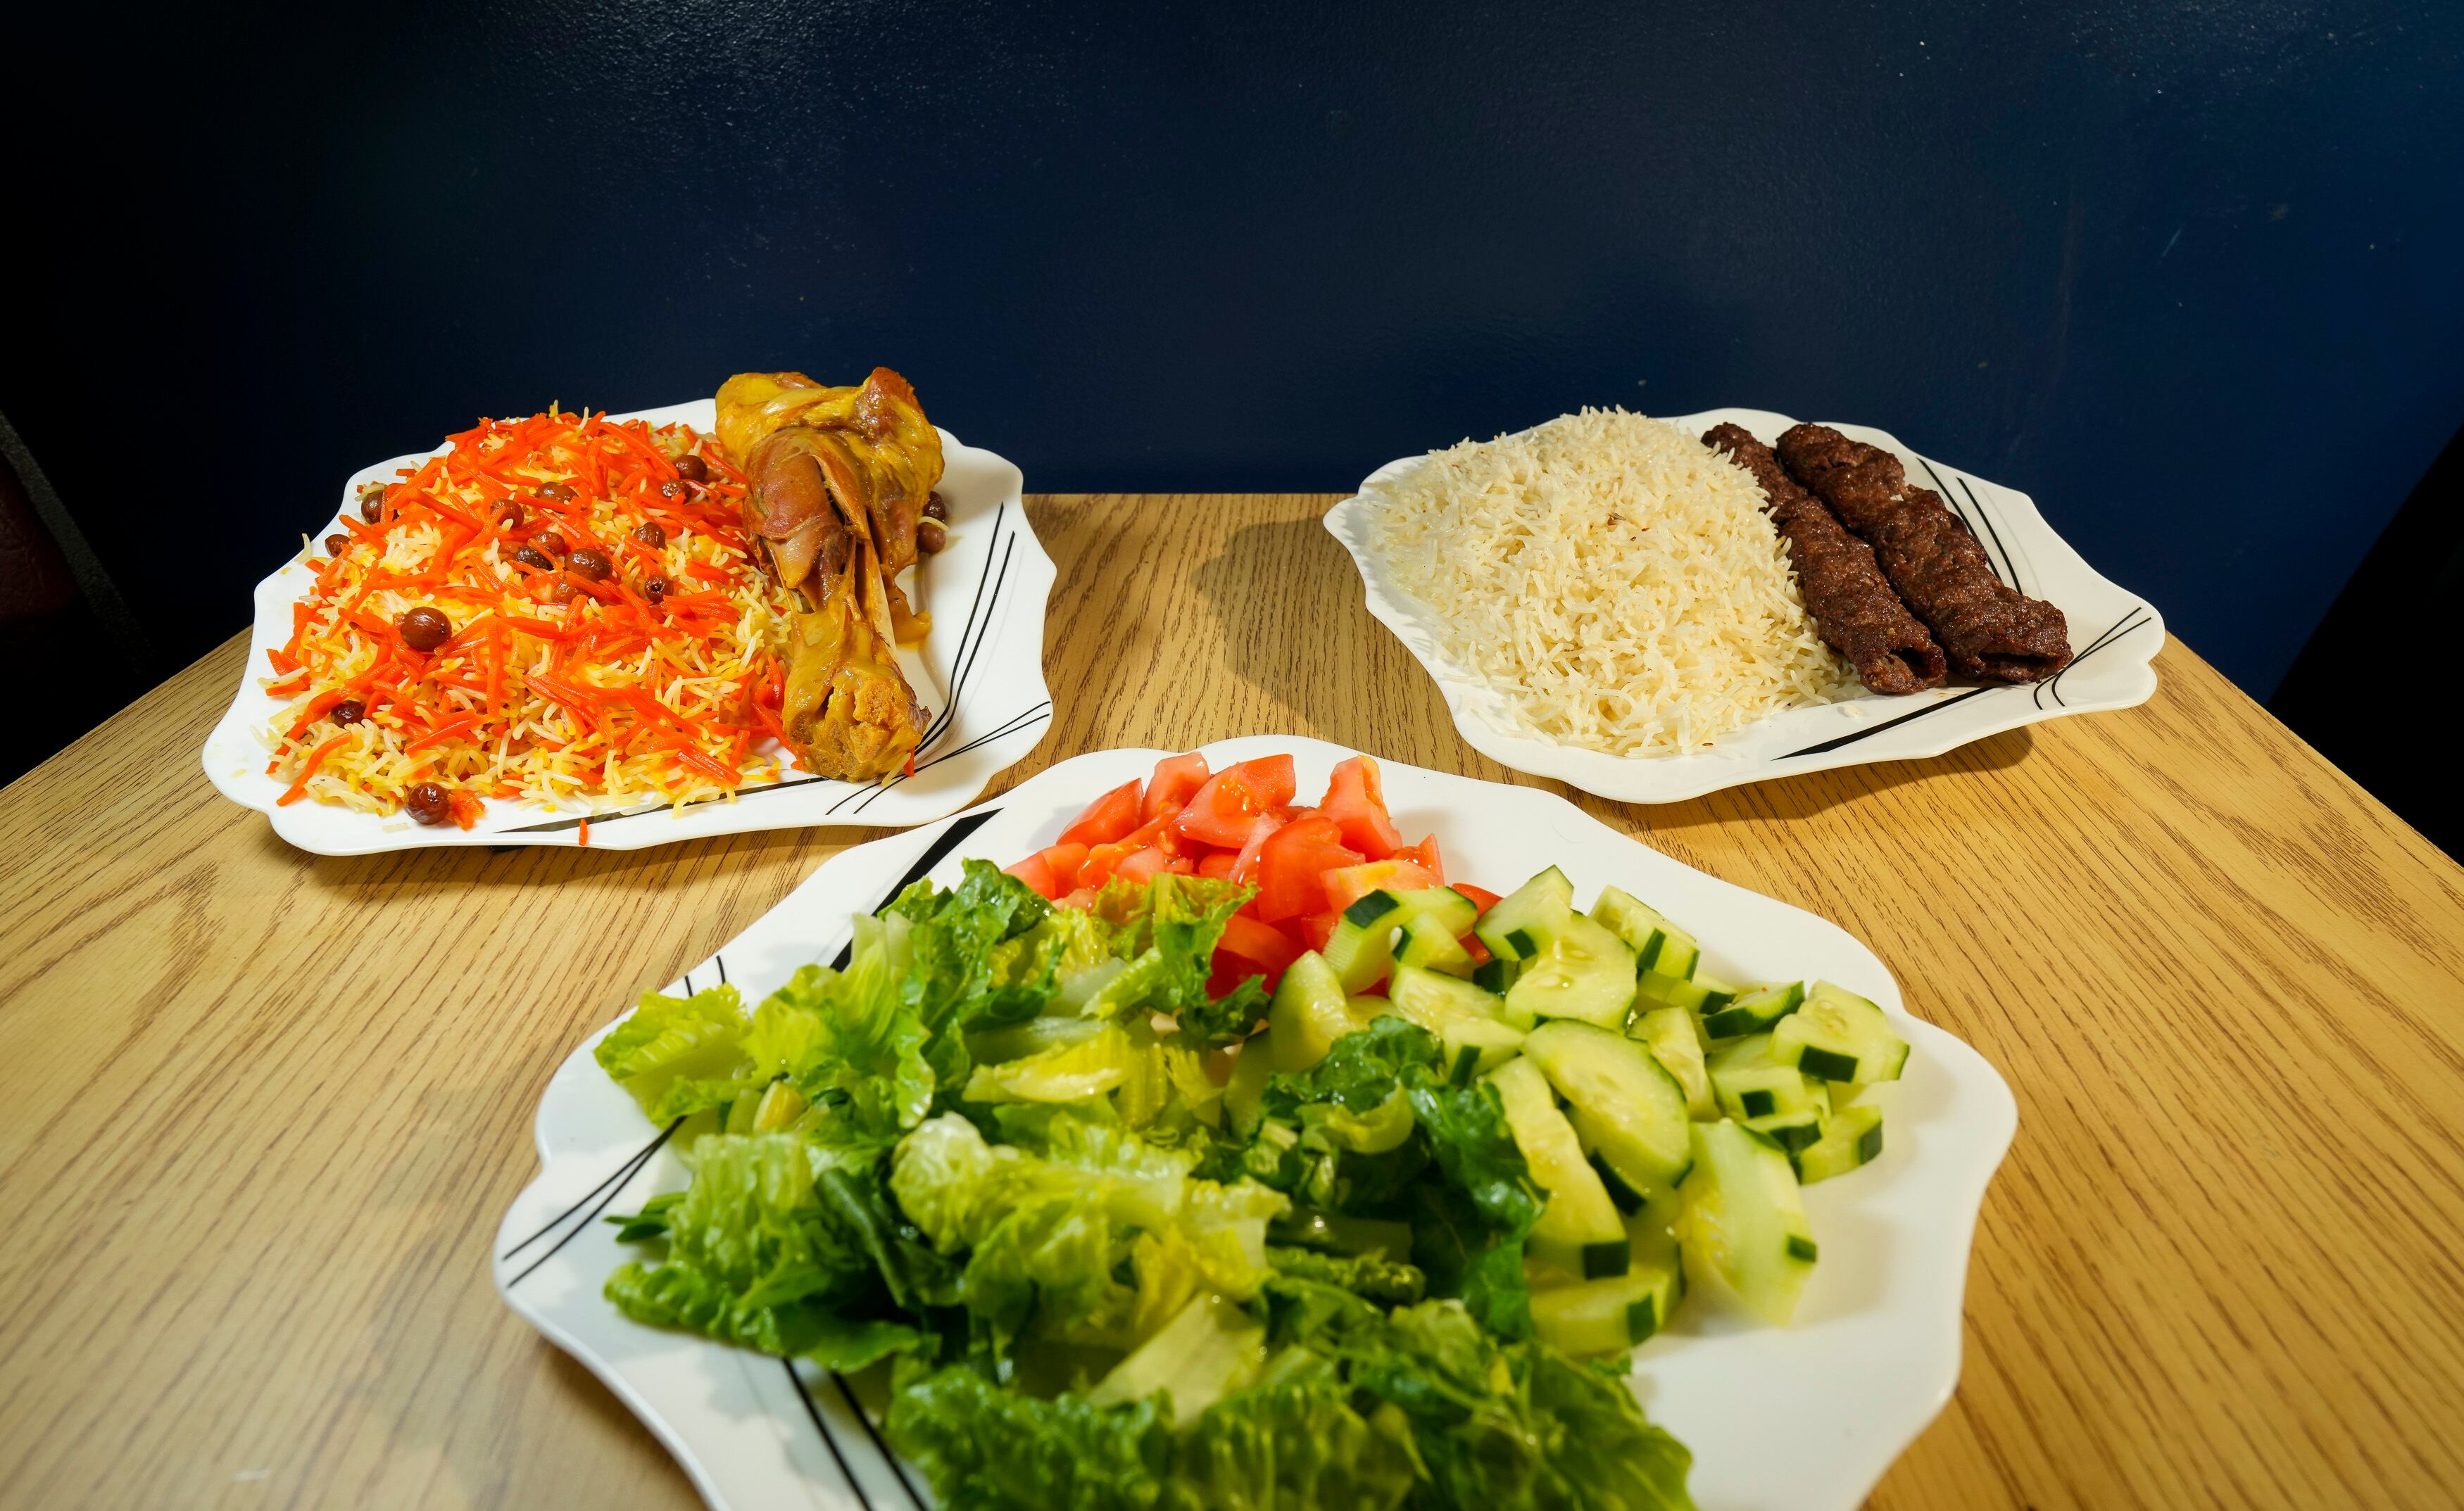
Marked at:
<point>2187,272</point>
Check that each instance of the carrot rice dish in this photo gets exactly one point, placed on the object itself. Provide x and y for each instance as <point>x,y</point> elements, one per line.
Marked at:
<point>556,608</point>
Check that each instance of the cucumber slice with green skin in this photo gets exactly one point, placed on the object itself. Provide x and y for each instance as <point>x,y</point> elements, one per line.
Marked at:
<point>1854,1140</point>
<point>1755,1011</point>
<point>1742,1228</point>
<point>1578,1227</point>
<point>1657,944</point>
<point>1839,1035</point>
<point>1361,949</point>
<point>1462,1015</point>
<point>1626,1104</point>
<point>1750,1081</point>
<point>1309,1013</point>
<point>1581,971</point>
<point>1515,929</point>
<point>1493,975</point>
<point>1673,1037</point>
<point>1426,943</point>
<point>1699,994</point>
<point>1792,1131</point>
<point>1609,1315</point>
<point>1452,910</point>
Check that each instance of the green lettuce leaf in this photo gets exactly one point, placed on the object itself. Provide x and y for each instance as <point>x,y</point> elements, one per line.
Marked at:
<point>1301,1446</point>
<point>687,1045</point>
<point>754,1258</point>
<point>1373,1278</point>
<point>988,1449</point>
<point>954,976</point>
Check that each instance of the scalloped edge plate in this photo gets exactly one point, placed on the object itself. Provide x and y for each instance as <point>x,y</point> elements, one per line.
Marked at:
<point>981,672</point>
<point>2115,633</point>
<point>1801,1418</point>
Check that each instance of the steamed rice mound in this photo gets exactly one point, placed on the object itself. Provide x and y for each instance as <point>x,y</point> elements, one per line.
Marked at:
<point>1614,580</point>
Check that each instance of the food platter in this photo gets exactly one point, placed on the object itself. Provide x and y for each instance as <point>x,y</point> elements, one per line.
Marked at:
<point>979,672</point>
<point>2114,637</point>
<point>1803,1417</point>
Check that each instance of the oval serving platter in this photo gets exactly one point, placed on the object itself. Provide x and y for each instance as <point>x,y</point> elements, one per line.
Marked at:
<point>979,672</point>
<point>1801,1418</point>
<point>2115,635</point>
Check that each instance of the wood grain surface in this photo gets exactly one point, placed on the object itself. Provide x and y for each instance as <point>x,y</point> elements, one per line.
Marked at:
<point>260,1111</point>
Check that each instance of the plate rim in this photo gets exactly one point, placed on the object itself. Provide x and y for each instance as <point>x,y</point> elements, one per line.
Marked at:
<point>1028,576</point>
<point>1675,778</point>
<point>1966,1165</point>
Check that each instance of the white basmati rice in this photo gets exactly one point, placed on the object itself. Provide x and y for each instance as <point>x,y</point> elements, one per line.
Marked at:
<point>1612,579</point>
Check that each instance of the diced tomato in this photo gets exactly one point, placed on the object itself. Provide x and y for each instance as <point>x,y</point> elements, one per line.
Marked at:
<point>1036,872</point>
<point>1176,780</point>
<point>1220,811</point>
<point>1481,896</point>
<point>1290,864</point>
<point>1218,865</point>
<point>1316,928</point>
<point>1245,865</point>
<point>1102,862</point>
<point>1424,855</point>
<point>1143,865</point>
<point>1066,861</point>
<point>1472,947</point>
<point>1353,882</point>
<point>1354,801</point>
<point>1107,819</point>
<point>1263,945</point>
<point>1080,900</point>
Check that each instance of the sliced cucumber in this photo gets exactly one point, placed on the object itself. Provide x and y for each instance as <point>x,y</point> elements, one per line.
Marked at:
<point>1671,1035</point>
<point>1753,1012</point>
<point>1578,1227</point>
<point>1361,949</point>
<point>1581,971</point>
<point>1751,1081</point>
<point>1462,1015</point>
<point>1428,944</point>
<point>1609,1315</point>
<point>1493,975</point>
<point>1853,1139</point>
<point>1795,1132</point>
<point>1626,1104</point>
<point>1698,993</point>
<point>1451,910</point>
<point>1743,1229</point>
<point>1522,921</point>
<point>1839,1035</point>
<point>1657,944</point>
<point>1308,1014</point>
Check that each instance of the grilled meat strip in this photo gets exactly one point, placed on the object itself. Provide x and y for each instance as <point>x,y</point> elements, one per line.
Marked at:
<point>1992,632</point>
<point>1851,602</point>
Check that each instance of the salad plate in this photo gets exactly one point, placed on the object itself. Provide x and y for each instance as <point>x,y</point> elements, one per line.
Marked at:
<point>1804,1417</point>
<point>2115,635</point>
<point>980,670</point>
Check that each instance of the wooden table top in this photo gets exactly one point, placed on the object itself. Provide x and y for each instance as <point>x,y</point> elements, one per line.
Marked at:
<point>260,1111</point>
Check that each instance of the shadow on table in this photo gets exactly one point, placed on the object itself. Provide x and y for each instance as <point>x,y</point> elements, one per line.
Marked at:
<point>1798,798</point>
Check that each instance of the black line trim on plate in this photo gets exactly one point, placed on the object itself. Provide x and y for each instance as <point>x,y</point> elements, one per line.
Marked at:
<point>979,622</point>
<point>2121,627</point>
<point>1015,723</point>
<point>1877,729</point>
<point>887,1457</point>
<point>551,826</point>
<point>721,961</point>
<point>935,853</point>
<point>596,1200</point>
<point>1981,512</point>
<point>813,1410</point>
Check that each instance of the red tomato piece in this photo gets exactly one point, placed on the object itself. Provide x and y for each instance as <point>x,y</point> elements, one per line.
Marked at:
<point>1176,780</point>
<point>1102,862</point>
<point>1143,865</point>
<point>1481,897</point>
<point>1217,863</point>
<point>1220,811</point>
<point>1262,945</point>
<point>1355,800</point>
<point>1353,882</point>
<point>1107,819</point>
<point>1036,872</point>
<point>1245,865</point>
<point>1290,864</point>
<point>1081,900</point>
<point>1065,860</point>
<point>1424,855</point>
<point>1473,946</point>
<point>1316,928</point>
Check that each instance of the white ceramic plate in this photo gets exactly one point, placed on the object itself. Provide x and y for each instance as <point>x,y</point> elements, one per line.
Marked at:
<point>2114,632</point>
<point>1802,1418</point>
<point>979,672</point>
